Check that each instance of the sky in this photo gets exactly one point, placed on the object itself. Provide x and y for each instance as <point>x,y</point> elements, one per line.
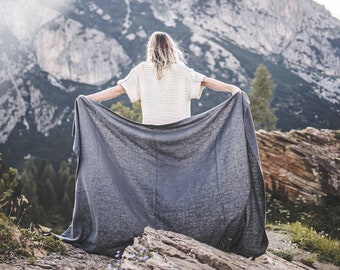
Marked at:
<point>332,5</point>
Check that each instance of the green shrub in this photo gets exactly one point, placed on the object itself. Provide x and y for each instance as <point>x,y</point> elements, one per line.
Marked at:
<point>337,134</point>
<point>284,254</point>
<point>31,260</point>
<point>8,182</point>
<point>50,243</point>
<point>16,241</point>
<point>9,245</point>
<point>309,261</point>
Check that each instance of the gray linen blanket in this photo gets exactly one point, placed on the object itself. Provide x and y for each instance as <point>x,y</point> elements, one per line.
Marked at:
<point>200,177</point>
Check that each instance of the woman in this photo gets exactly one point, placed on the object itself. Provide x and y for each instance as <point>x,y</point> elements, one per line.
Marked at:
<point>199,177</point>
<point>164,84</point>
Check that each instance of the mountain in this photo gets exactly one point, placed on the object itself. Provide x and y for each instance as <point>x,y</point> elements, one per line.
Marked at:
<point>50,52</point>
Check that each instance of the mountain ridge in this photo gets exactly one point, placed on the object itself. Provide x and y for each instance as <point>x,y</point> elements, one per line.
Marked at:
<point>60,50</point>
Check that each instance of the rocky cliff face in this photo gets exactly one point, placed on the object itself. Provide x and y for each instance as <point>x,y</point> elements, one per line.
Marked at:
<point>52,51</point>
<point>305,163</point>
<point>71,51</point>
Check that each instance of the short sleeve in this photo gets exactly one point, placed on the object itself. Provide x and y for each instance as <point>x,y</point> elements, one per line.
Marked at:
<point>196,86</point>
<point>131,84</point>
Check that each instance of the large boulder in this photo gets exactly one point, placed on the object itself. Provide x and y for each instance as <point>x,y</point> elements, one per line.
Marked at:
<point>157,249</point>
<point>301,162</point>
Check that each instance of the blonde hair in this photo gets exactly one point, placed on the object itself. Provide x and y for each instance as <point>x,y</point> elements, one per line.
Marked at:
<point>163,51</point>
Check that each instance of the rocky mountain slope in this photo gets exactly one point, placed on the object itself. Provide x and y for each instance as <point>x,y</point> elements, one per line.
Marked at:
<point>50,52</point>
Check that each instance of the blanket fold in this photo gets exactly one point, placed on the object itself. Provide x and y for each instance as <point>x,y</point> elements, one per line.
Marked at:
<point>200,177</point>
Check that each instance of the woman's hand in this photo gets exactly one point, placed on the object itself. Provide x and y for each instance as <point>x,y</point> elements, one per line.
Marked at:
<point>235,90</point>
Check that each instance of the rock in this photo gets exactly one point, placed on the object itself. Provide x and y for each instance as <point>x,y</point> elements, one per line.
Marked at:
<point>303,162</point>
<point>69,51</point>
<point>74,258</point>
<point>157,249</point>
<point>169,250</point>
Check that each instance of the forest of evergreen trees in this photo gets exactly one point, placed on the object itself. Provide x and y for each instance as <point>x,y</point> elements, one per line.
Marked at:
<point>49,193</point>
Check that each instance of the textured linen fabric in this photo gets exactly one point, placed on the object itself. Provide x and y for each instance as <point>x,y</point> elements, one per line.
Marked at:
<point>166,100</point>
<point>200,177</point>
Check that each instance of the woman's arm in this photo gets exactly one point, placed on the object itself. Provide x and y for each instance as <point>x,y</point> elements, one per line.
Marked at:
<point>220,86</point>
<point>107,94</point>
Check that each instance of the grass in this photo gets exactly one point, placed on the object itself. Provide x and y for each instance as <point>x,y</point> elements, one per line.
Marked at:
<point>325,248</point>
<point>309,261</point>
<point>284,254</point>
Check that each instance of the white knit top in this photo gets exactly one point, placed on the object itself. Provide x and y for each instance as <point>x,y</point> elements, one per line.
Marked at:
<point>167,100</point>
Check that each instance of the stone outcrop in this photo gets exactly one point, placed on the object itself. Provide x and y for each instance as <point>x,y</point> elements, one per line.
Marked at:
<point>74,52</point>
<point>169,250</point>
<point>157,249</point>
<point>302,162</point>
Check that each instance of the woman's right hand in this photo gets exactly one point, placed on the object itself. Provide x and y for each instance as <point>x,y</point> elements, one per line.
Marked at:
<point>235,90</point>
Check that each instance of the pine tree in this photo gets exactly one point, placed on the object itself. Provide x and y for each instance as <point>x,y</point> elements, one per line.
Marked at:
<point>48,200</point>
<point>8,183</point>
<point>261,96</point>
<point>134,114</point>
<point>48,173</point>
<point>28,186</point>
<point>64,174</point>
<point>66,208</point>
<point>70,188</point>
<point>36,213</point>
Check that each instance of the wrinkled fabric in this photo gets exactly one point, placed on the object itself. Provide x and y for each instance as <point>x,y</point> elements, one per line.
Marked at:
<point>200,177</point>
